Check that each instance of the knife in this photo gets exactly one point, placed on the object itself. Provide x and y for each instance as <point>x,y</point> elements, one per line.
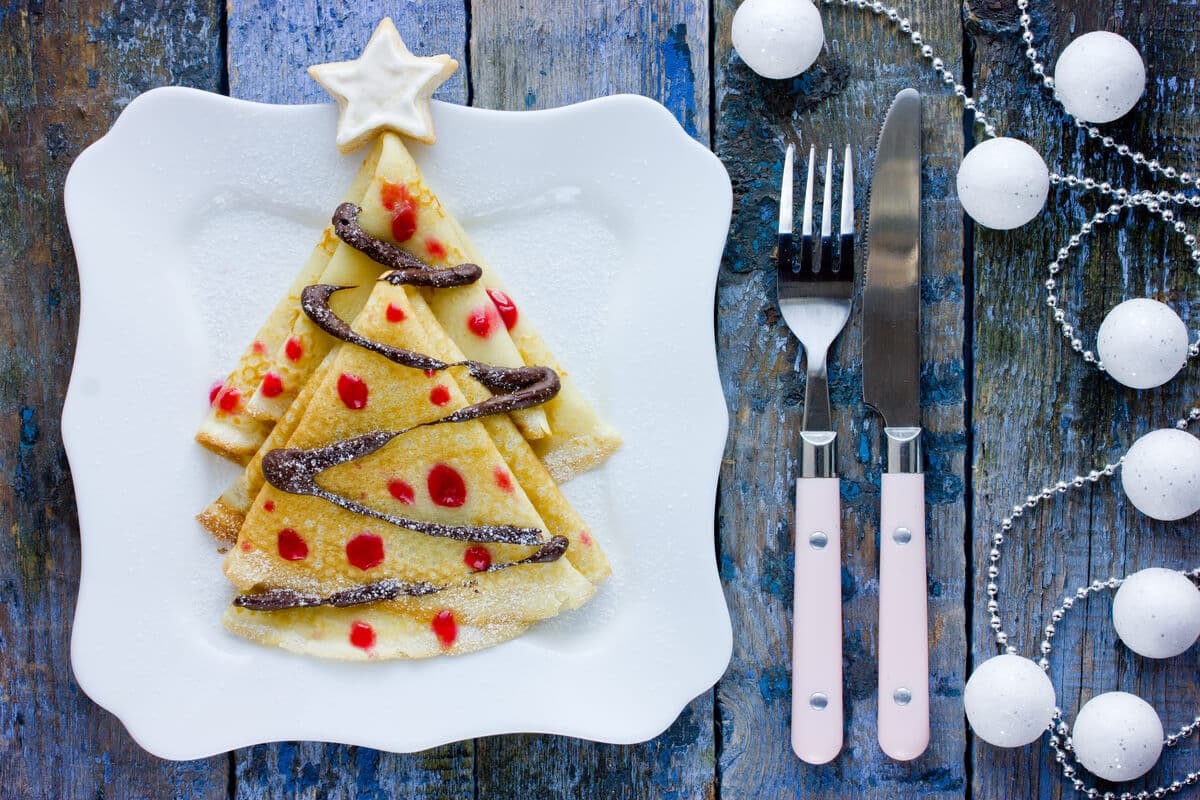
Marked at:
<point>891,386</point>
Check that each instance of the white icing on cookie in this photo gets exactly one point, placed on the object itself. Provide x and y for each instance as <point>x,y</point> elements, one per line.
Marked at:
<point>387,87</point>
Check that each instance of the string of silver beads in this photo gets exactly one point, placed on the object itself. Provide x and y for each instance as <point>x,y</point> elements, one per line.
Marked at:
<point>1060,732</point>
<point>1125,151</point>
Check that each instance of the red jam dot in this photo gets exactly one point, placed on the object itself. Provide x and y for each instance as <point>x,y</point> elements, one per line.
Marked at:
<point>479,322</point>
<point>365,551</point>
<point>446,486</point>
<point>362,635</point>
<point>214,391</point>
<point>269,506</point>
<point>392,194</point>
<point>404,223</point>
<point>504,305</point>
<point>396,199</point>
<point>259,348</point>
<point>503,479</point>
<point>585,538</point>
<point>291,546</point>
<point>440,395</point>
<point>429,373</point>
<point>229,398</point>
<point>293,349</point>
<point>395,313</point>
<point>445,627</point>
<point>402,491</point>
<point>435,248</point>
<point>272,386</point>
<point>477,557</point>
<point>353,391</point>
<point>247,546</point>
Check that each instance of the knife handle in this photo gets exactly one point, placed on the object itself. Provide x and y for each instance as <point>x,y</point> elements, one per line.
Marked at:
<point>903,624</point>
<point>817,622</point>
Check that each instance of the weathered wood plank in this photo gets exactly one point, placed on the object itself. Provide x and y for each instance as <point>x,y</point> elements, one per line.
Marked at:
<point>270,46</point>
<point>529,54</point>
<point>66,70</point>
<point>842,99</point>
<point>1042,414</point>
<point>542,54</point>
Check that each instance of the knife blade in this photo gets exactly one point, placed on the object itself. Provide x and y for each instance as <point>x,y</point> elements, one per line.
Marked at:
<point>891,296</point>
<point>891,385</point>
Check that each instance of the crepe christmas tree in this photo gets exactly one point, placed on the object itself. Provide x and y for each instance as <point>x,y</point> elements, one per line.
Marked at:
<point>401,439</point>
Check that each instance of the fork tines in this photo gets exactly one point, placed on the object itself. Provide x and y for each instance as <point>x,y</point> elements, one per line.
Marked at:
<point>817,258</point>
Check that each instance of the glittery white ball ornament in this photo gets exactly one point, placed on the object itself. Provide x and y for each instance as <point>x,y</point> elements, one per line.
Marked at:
<point>1117,736</point>
<point>1009,701</point>
<point>1003,183</point>
<point>1161,474</point>
<point>1099,77</point>
<point>1143,343</point>
<point>1157,613</point>
<point>778,38</point>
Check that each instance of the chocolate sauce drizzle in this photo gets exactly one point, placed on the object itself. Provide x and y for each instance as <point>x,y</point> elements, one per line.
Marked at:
<point>387,589</point>
<point>412,270</point>
<point>295,470</point>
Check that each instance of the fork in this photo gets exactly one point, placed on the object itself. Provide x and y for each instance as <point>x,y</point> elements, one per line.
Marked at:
<point>814,297</point>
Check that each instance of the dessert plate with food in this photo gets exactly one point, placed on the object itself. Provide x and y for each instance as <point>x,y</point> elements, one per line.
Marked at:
<point>402,444</point>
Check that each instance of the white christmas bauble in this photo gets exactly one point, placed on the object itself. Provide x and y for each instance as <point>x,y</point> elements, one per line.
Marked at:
<point>1003,183</point>
<point>1117,736</point>
<point>1099,77</point>
<point>1009,701</point>
<point>1142,343</point>
<point>1157,613</point>
<point>778,38</point>
<point>1161,474</point>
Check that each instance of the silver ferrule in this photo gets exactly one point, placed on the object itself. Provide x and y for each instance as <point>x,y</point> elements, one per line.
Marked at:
<point>818,454</point>
<point>903,450</point>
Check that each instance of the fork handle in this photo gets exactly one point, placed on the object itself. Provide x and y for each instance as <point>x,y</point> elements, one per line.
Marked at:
<point>817,622</point>
<point>903,626</point>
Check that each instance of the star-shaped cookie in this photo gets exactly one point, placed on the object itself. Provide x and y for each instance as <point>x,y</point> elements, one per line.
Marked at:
<point>387,87</point>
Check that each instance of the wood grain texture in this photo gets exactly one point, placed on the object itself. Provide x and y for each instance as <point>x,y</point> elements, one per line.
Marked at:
<point>66,70</point>
<point>842,99</point>
<point>270,47</point>
<point>1041,413</point>
<point>528,54</point>
<point>542,54</point>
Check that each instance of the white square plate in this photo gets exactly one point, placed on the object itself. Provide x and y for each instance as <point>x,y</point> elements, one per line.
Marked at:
<point>190,217</point>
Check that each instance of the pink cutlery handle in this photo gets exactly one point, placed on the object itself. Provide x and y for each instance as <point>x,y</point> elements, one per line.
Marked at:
<point>903,624</point>
<point>817,622</point>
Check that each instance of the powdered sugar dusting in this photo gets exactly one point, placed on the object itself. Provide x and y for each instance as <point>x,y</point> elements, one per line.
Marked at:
<point>281,236</point>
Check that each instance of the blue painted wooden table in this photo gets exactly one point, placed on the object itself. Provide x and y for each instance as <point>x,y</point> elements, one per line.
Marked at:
<point>1007,406</point>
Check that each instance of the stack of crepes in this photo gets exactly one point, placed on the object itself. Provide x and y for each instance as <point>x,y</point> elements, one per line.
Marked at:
<point>337,569</point>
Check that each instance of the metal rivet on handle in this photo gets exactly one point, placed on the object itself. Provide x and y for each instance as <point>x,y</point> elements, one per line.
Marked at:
<point>818,701</point>
<point>902,536</point>
<point>818,540</point>
<point>902,696</point>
